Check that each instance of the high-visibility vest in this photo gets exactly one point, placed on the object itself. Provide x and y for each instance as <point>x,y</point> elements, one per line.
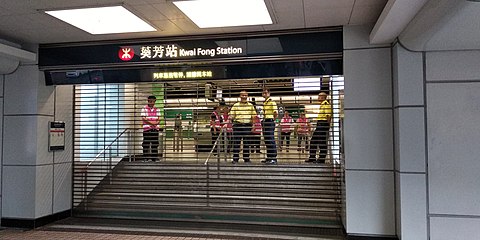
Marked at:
<point>286,124</point>
<point>151,113</point>
<point>302,126</point>
<point>217,123</point>
<point>257,126</point>
<point>228,123</point>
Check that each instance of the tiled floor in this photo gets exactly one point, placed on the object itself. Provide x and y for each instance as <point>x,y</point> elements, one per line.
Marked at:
<point>41,234</point>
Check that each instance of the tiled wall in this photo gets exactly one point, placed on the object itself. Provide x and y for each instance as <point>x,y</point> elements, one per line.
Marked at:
<point>453,111</point>
<point>370,199</point>
<point>410,148</point>
<point>35,181</point>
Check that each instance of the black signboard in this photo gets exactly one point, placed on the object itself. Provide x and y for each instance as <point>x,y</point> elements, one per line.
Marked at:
<point>323,42</point>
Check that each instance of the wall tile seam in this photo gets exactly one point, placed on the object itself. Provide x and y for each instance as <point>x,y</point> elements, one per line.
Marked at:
<point>368,109</point>
<point>27,165</point>
<point>458,216</point>
<point>410,172</point>
<point>366,48</point>
<point>27,115</point>
<point>409,106</point>
<point>369,170</point>
<point>452,81</point>
<point>425,129</point>
<point>353,235</point>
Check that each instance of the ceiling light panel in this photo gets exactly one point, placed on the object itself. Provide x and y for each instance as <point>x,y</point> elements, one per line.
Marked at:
<point>225,13</point>
<point>103,20</point>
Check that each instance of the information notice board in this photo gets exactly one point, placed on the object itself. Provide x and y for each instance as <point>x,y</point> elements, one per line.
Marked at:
<point>56,136</point>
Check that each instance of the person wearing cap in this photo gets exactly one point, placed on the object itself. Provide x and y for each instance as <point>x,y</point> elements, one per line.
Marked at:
<point>319,140</point>
<point>270,113</point>
<point>150,119</point>
<point>242,114</point>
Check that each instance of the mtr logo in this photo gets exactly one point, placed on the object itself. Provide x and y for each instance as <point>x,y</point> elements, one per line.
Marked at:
<point>126,53</point>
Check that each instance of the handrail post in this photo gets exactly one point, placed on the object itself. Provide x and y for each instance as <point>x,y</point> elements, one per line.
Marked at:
<point>213,148</point>
<point>208,185</point>
<point>129,150</point>
<point>85,184</point>
<point>110,165</point>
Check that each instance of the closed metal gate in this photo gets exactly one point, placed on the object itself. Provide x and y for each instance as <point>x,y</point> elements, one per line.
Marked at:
<point>115,170</point>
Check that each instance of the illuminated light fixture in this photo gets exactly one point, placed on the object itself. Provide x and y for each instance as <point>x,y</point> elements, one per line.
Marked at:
<point>225,13</point>
<point>307,84</point>
<point>103,20</point>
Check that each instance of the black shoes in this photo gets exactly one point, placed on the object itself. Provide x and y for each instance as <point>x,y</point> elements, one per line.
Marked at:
<point>271,162</point>
<point>235,162</point>
<point>315,161</point>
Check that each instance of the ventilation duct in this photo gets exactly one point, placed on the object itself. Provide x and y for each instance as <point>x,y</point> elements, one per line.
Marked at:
<point>10,58</point>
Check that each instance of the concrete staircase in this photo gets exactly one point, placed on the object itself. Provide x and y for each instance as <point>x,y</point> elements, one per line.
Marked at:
<point>302,195</point>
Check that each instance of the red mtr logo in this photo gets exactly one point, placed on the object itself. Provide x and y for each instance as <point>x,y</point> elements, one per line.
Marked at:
<point>126,53</point>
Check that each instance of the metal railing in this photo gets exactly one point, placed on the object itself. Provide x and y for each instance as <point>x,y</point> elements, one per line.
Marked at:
<point>109,169</point>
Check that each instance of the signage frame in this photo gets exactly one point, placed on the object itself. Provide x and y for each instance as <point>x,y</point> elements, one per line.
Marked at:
<point>56,136</point>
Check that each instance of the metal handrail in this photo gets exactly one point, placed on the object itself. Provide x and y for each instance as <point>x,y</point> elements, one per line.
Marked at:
<point>214,145</point>
<point>85,170</point>
<point>107,147</point>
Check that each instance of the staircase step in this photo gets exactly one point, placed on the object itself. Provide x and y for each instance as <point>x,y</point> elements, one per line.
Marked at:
<point>219,214</point>
<point>286,195</point>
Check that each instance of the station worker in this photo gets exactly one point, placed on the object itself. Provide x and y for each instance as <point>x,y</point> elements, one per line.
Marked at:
<point>216,122</point>
<point>319,139</point>
<point>242,114</point>
<point>270,112</point>
<point>151,120</point>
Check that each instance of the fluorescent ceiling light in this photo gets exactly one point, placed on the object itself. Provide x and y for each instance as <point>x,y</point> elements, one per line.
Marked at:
<point>225,13</point>
<point>103,20</point>
<point>306,84</point>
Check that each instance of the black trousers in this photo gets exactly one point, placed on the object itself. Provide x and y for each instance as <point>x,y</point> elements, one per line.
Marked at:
<point>241,131</point>
<point>215,135</point>
<point>285,138</point>
<point>150,143</point>
<point>319,141</point>
<point>255,142</point>
<point>269,138</point>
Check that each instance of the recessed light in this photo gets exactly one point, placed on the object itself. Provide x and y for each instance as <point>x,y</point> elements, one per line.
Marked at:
<point>103,20</point>
<point>225,13</point>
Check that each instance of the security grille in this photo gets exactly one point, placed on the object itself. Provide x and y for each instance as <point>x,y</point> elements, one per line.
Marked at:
<point>193,166</point>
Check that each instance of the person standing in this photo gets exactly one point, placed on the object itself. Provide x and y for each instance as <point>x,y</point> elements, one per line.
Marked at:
<point>286,124</point>
<point>256,135</point>
<point>270,113</point>
<point>151,119</point>
<point>177,133</point>
<point>319,139</point>
<point>215,126</point>
<point>303,131</point>
<point>242,114</point>
<point>228,128</point>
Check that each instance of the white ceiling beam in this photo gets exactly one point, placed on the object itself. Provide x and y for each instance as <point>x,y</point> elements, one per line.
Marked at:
<point>431,25</point>
<point>17,53</point>
<point>396,15</point>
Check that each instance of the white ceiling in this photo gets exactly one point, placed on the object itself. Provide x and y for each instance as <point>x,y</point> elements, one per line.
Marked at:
<point>23,21</point>
<point>421,25</point>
